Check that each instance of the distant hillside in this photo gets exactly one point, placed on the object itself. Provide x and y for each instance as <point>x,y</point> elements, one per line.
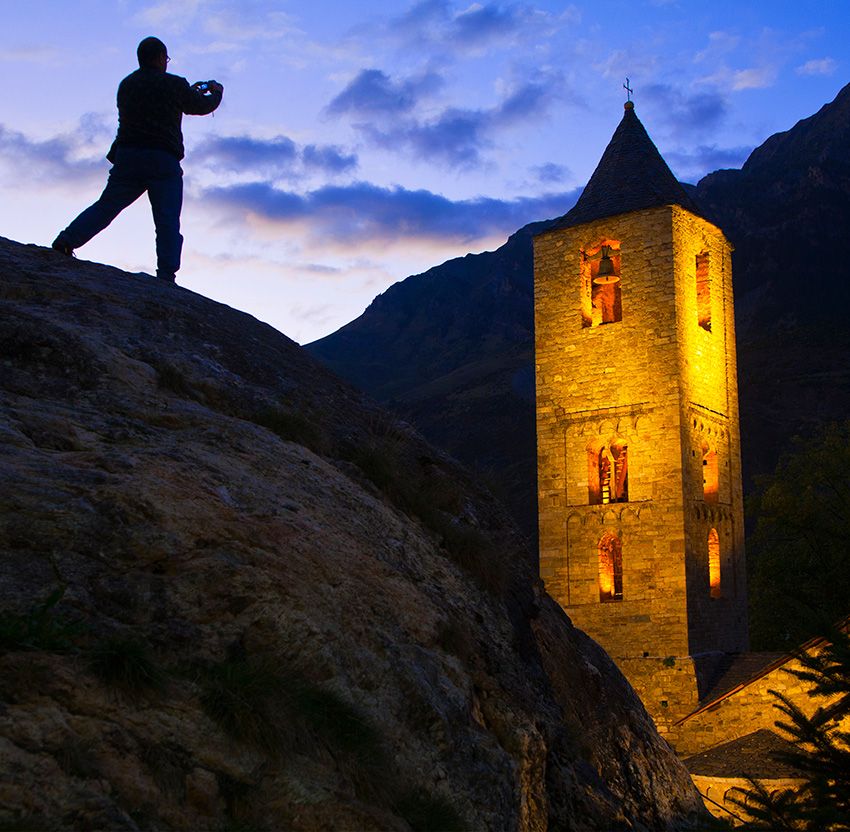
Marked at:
<point>236,594</point>
<point>453,348</point>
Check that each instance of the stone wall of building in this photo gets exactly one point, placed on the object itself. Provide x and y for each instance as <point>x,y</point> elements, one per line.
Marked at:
<point>667,686</point>
<point>720,793</point>
<point>709,399</point>
<point>660,383</point>
<point>742,712</point>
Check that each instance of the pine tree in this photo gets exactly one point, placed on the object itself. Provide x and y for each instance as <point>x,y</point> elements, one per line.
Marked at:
<point>798,553</point>
<point>822,752</point>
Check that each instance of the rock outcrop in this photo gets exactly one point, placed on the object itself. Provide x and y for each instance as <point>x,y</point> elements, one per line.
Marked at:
<point>235,594</point>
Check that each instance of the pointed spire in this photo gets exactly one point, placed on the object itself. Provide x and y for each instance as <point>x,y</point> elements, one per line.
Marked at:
<point>630,176</point>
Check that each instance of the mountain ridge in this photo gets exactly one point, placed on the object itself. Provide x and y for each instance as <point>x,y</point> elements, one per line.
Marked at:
<point>785,211</point>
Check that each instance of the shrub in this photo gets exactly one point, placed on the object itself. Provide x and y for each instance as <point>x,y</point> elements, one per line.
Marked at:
<point>423,491</point>
<point>243,697</point>
<point>171,378</point>
<point>426,812</point>
<point>473,552</point>
<point>336,721</point>
<point>454,638</point>
<point>125,663</point>
<point>291,426</point>
<point>76,758</point>
<point>42,628</point>
<point>254,701</point>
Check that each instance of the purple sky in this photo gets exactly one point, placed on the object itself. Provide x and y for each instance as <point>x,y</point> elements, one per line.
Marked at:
<point>360,143</point>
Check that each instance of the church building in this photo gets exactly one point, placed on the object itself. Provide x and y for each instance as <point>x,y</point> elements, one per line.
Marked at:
<point>639,457</point>
<point>639,465</point>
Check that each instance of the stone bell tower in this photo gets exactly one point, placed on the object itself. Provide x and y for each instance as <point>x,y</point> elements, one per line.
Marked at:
<point>639,459</point>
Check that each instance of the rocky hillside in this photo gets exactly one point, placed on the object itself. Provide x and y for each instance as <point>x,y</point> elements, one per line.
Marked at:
<point>234,594</point>
<point>453,349</point>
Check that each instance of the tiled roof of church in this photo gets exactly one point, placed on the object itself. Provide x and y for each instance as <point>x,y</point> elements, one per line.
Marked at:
<point>630,176</point>
<point>761,754</point>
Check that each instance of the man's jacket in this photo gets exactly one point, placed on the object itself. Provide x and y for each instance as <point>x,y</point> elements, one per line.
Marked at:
<point>151,105</point>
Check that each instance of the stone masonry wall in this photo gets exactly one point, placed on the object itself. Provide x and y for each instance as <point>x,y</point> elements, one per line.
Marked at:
<point>710,420</point>
<point>663,385</point>
<point>743,712</point>
<point>619,379</point>
<point>668,687</point>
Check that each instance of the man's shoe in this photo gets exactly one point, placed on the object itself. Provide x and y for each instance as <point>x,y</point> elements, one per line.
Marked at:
<point>168,278</point>
<point>62,247</point>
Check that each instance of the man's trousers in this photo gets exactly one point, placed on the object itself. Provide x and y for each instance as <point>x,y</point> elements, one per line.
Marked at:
<point>136,170</point>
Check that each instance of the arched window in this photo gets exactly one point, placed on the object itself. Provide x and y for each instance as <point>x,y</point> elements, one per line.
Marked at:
<point>714,564</point>
<point>610,568</point>
<point>710,475</point>
<point>601,301</point>
<point>608,473</point>
<point>614,473</point>
<point>703,281</point>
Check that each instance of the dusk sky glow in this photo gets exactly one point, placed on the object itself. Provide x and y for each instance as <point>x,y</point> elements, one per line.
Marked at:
<point>360,143</point>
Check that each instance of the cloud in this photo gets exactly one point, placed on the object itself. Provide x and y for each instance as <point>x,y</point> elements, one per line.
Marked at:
<point>684,113</point>
<point>819,66</point>
<point>482,24</point>
<point>457,136</point>
<point>550,172</point>
<point>719,43</point>
<point>373,91</point>
<point>753,78</point>
<point>438,24</point>
<point>168,15</point>
<point>31,54</point>
<point>692,165</point>
<point>366,213</point>
<point>244,153</point>
<point>277,157</point>
<point>329,158</point>
<point>66,158</point>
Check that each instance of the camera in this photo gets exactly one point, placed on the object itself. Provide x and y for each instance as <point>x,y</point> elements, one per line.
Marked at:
<point>203,86</point>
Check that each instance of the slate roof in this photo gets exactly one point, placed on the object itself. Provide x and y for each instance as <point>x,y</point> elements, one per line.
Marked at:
<point>630,176</point>
<point>738,670</point>
<point>756,755</point>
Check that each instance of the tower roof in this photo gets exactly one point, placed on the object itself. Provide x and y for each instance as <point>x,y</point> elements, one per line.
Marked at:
<point>630,176</point>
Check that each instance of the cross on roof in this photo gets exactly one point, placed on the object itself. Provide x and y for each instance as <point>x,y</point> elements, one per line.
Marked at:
<point>628,90</point>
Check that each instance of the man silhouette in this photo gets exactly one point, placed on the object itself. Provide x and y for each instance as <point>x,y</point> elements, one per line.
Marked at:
<point>146,154</point>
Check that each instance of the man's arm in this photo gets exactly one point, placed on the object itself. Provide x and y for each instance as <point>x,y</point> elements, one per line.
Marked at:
<point>197,103</point>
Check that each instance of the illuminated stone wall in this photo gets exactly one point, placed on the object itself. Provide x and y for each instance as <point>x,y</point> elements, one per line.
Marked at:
<point>746,710</point>
<point>664,385</point>
<point>720,794</point>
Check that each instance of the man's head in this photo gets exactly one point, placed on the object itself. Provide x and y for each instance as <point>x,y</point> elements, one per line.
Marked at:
<point>152,54</point>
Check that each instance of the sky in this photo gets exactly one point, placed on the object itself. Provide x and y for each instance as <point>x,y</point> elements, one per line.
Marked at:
<point>359,143</point>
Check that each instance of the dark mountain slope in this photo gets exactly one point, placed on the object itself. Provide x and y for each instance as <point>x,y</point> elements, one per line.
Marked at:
<point>787,212</point>
<point>462,370</point>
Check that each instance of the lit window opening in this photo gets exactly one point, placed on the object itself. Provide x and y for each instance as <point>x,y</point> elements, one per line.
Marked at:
<point>710,476</point>
<point>601,301</point>
<point>608,474</point>
<point>703,281</point>
<point>714,563</point>
<point>610,568</point>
